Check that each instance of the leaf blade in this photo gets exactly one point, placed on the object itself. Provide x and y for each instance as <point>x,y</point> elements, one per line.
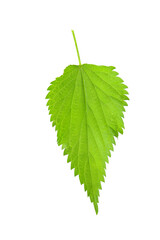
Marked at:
<point>86,105</point>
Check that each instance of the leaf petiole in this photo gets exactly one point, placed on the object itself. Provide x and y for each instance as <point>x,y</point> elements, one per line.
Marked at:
<point>76,47</point>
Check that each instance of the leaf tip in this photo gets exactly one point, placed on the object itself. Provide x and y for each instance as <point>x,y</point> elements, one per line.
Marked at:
<point>96,208</point>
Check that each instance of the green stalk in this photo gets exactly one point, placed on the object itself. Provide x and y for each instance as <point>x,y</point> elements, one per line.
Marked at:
<point>76,47</point>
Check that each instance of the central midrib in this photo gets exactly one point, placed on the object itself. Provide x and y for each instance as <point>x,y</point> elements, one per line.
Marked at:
<point>85,97</point>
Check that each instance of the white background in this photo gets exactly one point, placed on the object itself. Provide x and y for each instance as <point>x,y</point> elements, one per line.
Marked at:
<point>39,196</point>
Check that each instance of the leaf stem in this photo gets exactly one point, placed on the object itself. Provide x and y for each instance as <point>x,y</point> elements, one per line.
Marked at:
<point>76,47</point>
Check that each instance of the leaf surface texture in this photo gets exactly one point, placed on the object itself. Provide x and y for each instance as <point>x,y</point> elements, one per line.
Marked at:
<point>86,105</point>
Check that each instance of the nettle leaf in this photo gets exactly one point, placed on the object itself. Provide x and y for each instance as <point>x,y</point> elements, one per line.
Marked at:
<point>86,105</point>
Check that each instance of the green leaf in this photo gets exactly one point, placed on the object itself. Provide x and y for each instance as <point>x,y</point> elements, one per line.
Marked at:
<point>86,105</point>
